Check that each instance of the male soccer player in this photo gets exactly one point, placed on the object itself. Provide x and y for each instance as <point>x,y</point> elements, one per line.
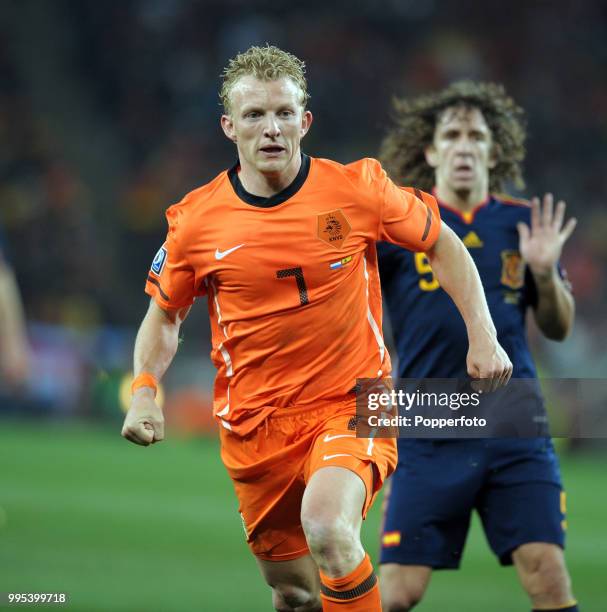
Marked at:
<point>283,246</point>
<point>467,140</point>
<point>13,339</point>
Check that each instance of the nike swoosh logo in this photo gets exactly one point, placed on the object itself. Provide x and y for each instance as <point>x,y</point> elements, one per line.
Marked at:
<point>327,457</point>
<point>328,438</point>
<point>221,254</point>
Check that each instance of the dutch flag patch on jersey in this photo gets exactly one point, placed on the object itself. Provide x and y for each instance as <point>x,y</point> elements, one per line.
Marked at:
<point>159,260</point>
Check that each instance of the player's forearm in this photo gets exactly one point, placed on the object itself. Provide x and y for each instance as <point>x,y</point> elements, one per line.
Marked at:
<point>156,342</point>
<point>457,274</point>
<point>12,320</point>
<point>555,306</point>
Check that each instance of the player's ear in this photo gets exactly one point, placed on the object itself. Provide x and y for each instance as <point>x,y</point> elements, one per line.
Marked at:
<point>431,156</point>
<point>306,122</point>
<point>227,125</point>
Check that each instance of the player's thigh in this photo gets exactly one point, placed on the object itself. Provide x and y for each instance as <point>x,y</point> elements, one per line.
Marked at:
<point>369,461</point>
<point>335,496</point>
<point>524,513</point>
<point>267,473</point>
<point>295,583</point>
<point>403,586</point>
<point>427,512</point>
<point>523,500</point>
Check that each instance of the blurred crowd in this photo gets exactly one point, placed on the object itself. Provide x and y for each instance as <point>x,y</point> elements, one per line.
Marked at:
<point>109,113</point>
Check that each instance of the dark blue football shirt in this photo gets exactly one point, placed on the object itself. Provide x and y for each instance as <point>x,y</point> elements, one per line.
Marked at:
<point>428,330</point>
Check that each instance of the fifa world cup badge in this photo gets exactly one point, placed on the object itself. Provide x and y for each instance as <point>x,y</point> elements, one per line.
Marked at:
<point>159,260</point>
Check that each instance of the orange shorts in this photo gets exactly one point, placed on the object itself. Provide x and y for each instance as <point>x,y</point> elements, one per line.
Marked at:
<point>271,466</point>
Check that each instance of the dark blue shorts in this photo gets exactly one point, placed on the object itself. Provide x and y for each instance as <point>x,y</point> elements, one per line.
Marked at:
<point>514,485</point>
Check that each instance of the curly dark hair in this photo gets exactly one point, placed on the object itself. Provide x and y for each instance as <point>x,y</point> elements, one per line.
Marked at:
<point>402,150</point>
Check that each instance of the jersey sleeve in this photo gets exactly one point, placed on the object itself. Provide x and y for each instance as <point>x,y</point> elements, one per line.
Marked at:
<point>171,279</point>
<point>408,217</point>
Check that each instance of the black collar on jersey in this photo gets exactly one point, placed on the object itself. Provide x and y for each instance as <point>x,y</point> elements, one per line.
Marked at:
<point>276,199</point>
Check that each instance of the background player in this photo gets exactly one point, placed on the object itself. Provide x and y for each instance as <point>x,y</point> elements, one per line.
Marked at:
<point>468,140</point>
<point>284,247</point>
<point>13,339</point>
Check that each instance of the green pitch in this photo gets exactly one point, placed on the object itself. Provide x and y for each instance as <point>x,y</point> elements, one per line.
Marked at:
<point>120,527</point>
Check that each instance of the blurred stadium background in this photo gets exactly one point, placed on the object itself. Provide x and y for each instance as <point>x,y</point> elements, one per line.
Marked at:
<point>108,114</point>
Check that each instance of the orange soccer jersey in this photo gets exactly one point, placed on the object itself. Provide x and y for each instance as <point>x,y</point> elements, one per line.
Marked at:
<point>292,282</point>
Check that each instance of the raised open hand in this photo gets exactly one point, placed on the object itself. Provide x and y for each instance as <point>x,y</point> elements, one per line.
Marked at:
<point>541,245</point>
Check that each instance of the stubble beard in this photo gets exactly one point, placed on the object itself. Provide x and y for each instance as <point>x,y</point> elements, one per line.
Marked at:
<point>463,193</point>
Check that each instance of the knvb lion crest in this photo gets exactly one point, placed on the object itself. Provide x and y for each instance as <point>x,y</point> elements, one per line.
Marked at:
<point>333,228</point>
<point>513,269</point>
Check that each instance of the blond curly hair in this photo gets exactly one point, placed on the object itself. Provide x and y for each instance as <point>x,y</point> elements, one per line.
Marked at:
<point>402,150</point>
<point>267,63</point>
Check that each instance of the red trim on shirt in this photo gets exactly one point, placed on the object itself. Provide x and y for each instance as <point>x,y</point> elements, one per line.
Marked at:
<point>510,201</point>
<point>468,216</point>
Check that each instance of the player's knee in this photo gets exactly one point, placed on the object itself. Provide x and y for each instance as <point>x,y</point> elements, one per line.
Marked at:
<point>400,600</point>
<point>398,593</point>
<point>287,598</point>
<point>331,539</point>
<point>551,582</point>
<point>397,606</point>
<point>544,575</point>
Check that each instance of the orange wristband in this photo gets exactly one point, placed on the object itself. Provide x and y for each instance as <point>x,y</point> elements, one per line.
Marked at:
<point>144,380</point>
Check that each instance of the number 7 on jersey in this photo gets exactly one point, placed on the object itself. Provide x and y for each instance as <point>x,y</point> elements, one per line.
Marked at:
<point>299,278</point>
